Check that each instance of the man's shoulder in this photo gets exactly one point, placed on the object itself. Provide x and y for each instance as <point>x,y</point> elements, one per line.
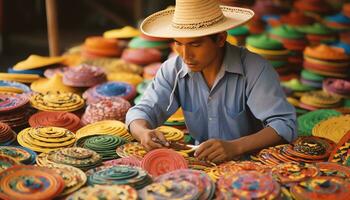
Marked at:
<point>252,63</point>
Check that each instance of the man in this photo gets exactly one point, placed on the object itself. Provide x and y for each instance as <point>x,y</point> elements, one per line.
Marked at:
<point>231,98</point>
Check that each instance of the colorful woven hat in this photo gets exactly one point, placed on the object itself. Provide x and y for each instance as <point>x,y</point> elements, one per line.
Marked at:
<point>84,76</point>
<point>133,79</point>
<point>108,192</point>
<point>333,128</point>
<point>58,119</point>
<point>35,61</point>
<point>39,71</point>
<point>45,139</point>
<point>248,185</point>
<point>49,73</point>
<point>313,6</point>
<point>124,33</point>
<point>170,133</point>
<point>106,109</point>
<point>21,154</point>
<point>329,169</point>
<point>13,86</point>
<point>296,85</point>
<point>307,121</point>
<point>73,177</point>
<point>112,65</point>
<point>318,99</point>
<point>7,162</point>
<point>337,87</point>
<point>110,90</point>
<point>81,158</point>
<point>339,22</point>
<point>341,153</point>
<point>7,135</point>
<point>17,118</point>
<point>134,149</point>
<point>150,71</point>
<point>161,161</point>
<point>119,175</point>
<point>292,172</point>
<point>325,52</point>
<point>22,78</point>
<point>321,188</point>
<point>104,145</point>
<point>206,187</point>
<point>297,18</point>
<point>106,127</point>
<point>98,46</point>
<point>44,85</point>
<point>30,182</point>
<point>264,42</point>
<point>57,101</point>
<point>142,56</point>
<point>140,42</point>
<point>12,101</point>
<point>129,161</point>
<point>170,189</point>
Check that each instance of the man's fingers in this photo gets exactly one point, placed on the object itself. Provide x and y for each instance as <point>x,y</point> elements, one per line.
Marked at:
<point>218,159</point>
<point>162,138</point>
<point>206,152</point>
<point>213,155</point>
<point>202,147</point>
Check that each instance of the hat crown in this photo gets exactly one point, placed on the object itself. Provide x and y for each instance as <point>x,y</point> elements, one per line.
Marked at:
<point>190,14</point>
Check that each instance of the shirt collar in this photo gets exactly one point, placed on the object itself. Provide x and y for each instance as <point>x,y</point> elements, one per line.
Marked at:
<point>232,61</point>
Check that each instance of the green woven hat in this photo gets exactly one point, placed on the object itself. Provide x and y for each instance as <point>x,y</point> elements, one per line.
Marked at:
<point>287,32</point>
<point>240,30</point>
<point>308,75</point>
<point>138,42</point>
<point>296,85</point>
<point>264,42</point>
<point>307,121</point>
<point>316,28</point>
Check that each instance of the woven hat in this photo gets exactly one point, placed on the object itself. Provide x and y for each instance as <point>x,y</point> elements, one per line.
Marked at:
<point>194,18</point>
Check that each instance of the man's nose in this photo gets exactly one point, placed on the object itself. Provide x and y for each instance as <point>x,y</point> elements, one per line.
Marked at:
<point>186,53</point>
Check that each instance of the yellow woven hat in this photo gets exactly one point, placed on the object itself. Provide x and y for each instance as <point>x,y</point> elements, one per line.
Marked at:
<point>194,18</point>
<point>35,61</point>
<point>125,32</point>
<point>23,78</point>
<point>133,79</point>
<point>44,85</point>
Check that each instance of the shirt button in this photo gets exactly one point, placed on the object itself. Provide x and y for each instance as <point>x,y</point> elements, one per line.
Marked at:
<point>209,97</point>
<point>210,118</point>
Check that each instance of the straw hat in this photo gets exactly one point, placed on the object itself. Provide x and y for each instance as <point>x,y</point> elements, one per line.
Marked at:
<point>194,18</point>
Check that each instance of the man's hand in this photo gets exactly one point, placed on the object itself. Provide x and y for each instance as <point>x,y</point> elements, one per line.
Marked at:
<point>153,139</point>
<point>217,151</point>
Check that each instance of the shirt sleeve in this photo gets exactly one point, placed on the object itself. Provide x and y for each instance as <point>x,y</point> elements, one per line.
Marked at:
<point>153,105</point>
<point>268,103</point>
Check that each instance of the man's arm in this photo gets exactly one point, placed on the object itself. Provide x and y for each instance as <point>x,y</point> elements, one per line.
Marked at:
<point>151,111</point>
<point>216,151</point>
<point>141,131</point>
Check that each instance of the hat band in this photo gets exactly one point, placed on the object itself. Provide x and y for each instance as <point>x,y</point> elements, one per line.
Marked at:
<point>199,25</point>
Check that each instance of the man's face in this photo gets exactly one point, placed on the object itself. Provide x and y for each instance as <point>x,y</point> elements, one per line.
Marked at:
<point>198,53</point>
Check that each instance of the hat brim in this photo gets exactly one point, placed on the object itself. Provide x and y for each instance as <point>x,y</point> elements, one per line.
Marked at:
<point>159,24</point>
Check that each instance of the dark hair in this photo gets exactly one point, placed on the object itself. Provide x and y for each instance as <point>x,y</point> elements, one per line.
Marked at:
<point>214,37</point>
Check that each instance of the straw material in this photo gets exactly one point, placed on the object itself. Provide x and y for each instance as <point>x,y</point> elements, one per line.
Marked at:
<point>194,18</point>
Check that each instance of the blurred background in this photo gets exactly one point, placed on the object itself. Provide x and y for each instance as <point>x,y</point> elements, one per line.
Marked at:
<point>23,23</point>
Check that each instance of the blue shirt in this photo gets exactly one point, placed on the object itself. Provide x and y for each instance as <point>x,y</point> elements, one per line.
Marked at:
<point>246,97</point>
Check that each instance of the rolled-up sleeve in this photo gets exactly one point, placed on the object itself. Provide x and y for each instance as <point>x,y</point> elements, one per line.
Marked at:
<point>267,102</point>
<point>152,106</point>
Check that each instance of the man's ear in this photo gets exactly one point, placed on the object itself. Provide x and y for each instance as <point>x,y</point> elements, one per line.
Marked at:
<point>221,39</point>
